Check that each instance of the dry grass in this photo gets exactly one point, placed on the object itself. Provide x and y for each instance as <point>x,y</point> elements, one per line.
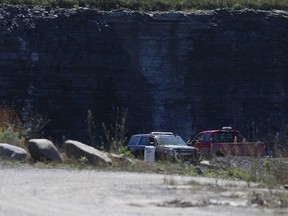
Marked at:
<point>271,172</point>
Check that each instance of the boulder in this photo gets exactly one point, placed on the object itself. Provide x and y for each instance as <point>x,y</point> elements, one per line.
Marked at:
<point>77,150</point>
<point>43,150</point>
<point>11,152</point>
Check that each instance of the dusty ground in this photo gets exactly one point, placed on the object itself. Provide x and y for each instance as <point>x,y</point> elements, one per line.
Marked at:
<point>30,191</point>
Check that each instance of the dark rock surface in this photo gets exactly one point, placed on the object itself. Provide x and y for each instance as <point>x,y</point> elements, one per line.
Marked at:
<point>172,71</point>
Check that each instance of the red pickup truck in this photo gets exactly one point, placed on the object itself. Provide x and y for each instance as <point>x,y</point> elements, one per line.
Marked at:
<point>224,142</point>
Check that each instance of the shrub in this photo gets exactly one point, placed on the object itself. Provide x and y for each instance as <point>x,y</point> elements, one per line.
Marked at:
<point>15,130</point>
<point>125,151</point>
<point>9,117</point>
<point>241,175</point>
<point>10,125</point>
<point>8,135</point>
<point>33,124</point>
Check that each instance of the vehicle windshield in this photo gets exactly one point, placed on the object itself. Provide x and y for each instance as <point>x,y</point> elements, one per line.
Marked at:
<point>169,140</point>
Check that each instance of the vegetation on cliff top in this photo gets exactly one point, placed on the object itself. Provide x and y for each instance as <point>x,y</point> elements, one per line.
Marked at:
<point>158,5</point>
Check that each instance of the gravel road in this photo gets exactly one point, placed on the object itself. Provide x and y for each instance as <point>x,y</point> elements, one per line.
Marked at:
<point>49,192</point>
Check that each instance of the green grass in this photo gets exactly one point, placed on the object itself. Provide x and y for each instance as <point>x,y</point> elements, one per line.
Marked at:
<point>158,5</point>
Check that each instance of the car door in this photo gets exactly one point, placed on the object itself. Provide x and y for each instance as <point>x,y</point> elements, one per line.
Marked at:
<point>203,143</point>
<point>144,141</point>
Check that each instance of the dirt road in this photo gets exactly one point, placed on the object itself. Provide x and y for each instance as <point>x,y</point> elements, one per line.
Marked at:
<point>50,192</point>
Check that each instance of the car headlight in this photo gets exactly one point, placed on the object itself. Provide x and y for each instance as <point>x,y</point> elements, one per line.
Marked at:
<point>172,152</point>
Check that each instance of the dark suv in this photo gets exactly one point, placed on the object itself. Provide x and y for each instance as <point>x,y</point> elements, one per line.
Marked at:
<point>167,147</point>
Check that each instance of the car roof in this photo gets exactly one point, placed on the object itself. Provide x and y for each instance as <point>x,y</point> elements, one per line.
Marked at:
<point>154,134</point>
<point>136,135</point>
<point>213,131</point>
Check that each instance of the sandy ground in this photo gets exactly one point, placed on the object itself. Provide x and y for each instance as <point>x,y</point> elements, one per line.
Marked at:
<point>49,192</point>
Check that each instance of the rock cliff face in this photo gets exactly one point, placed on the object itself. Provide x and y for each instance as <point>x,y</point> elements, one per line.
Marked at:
<point>180,72</point>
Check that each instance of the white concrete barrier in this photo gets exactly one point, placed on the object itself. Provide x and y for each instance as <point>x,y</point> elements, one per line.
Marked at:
<point>149,154</point>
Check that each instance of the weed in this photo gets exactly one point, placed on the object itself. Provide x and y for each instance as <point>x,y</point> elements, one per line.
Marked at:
<point>280,142</point>
<point>115,134</point>
<point>33,124</point>
<point>91,128</point>
<point>83,160</point>
<point>267,167</point>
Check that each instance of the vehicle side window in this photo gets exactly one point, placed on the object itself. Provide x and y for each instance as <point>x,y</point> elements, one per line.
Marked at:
<point>206,137</point>
<point>216,137</point>
<point>199,138</point>
<point>223,137</point>
<point>133,141</point>
<point>143,141</point>
<point>203,137</point>
<point>227,137</point>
